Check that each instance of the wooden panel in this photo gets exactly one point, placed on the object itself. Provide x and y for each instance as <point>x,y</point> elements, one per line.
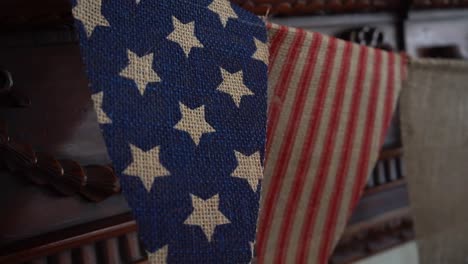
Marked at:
<point>65,239</point>
<point>381,220</point>
<point>28,210</point>
<point>16,12</point>
<point>110,251</point>
<point>60,121</point>
<point>130,247</point>
<point>63,257</point>
<point>87,254</point>
<point>30,14</point>
<point>39,261</point>
<point>107,251</point>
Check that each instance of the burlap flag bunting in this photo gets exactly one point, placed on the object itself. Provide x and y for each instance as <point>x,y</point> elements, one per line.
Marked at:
<point>330,104</point>
<point>180,92</point>
<point>434,120</point>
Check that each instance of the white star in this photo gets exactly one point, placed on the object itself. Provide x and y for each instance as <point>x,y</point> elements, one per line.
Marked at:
<point>249,168</point>
<point>206,214</point>
<point>184,35</point>
<point>140,69</point>
<point>101,115</point>
<point>224,10</point>
<point>233,84</point>
<point>252,246</point>
<point>261,51</point>
<point>158,257</point>
<point>146,165</point>
<point>193,122</point>
<point>89,13</point>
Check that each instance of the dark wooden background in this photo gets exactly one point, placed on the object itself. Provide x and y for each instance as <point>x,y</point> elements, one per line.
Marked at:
<point>57,207</point>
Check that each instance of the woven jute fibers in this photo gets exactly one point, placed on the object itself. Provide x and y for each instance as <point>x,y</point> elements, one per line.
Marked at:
<point>434,113</point>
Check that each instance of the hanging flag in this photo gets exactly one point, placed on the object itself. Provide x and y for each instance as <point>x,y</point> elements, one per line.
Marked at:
<point>434,125</point>
<point>330,104</point>
<point>179,88</point>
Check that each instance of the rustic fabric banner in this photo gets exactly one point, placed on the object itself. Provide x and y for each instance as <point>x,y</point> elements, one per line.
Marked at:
<point>330,104</point>
<point>180,90</point>
<point>434,120</point>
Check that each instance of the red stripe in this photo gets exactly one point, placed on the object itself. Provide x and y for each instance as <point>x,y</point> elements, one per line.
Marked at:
<point>388,108</point>
<point>363,165</point>
<point>276,43</point>
<point>309,225</point>
<point>336,197</point>
<point>298,184</point>
<point>306,154</point>
<point>314,122</point>
<point>282,85</point>
<point>268,25</point>
<point>286,148</point>
<point>334,121</point>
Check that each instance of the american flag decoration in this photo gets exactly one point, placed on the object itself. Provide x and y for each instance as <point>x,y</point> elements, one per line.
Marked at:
<point>179,88</point>
<point>330,104</point>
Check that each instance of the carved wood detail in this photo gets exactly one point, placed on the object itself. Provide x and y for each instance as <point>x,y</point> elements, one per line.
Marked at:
<point>65,176</point>
<point>117,238</point>
<point>369,231</point>
<point>56,13</point>
<point>374,239</point>
<point>91,243</point>
<point>301,7</point>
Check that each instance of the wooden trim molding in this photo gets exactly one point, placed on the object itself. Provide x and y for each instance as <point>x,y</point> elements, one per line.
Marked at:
<point>54,244</point>
<point>303,7</point>
<point>65,176</point>
<point>373,228</point>
<point>372,237</point>
<point>33,15</point>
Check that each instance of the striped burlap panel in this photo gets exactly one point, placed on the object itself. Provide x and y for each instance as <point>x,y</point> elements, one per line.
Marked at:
<point>331,102</point>
<point>434,120</point>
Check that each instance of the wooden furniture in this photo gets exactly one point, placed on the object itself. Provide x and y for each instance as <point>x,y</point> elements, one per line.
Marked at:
<point>59,197</point>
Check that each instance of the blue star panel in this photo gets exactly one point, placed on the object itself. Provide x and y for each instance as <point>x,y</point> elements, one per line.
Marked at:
<point>179,88</point>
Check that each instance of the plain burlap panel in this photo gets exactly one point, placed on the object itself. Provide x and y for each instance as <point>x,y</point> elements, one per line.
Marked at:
<point>434,113</point>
